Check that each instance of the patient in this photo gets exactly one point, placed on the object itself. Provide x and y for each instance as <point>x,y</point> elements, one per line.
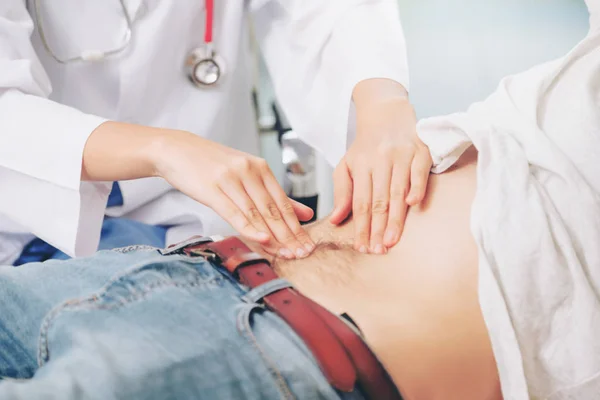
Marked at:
<point>503,254</point>
<point>140,325</point>
<point>417,306</point>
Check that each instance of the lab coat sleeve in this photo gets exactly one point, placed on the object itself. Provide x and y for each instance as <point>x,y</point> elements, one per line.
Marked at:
<point>41,148</point>
<point>594,10</point>
<point>317,51</point>
<point>446,139</point>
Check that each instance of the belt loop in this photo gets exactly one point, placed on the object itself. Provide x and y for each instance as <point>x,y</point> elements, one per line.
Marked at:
<point>254,295</point>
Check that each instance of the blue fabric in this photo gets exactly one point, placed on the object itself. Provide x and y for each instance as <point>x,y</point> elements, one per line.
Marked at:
<point>116,232</point>
<point>115,198</point>
<point>132,324</point>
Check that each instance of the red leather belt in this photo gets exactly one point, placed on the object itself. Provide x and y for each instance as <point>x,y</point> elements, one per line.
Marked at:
<point>344,358</point>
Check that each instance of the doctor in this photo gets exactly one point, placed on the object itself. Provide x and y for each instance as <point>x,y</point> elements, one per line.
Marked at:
<point>155,95</point>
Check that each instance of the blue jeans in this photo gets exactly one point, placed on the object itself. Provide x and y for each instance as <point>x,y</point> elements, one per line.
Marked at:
<point>133,324</point>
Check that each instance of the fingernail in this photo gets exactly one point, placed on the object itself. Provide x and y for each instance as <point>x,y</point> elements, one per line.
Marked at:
<point>378,249</point>
<point>300,252</point>
<point>363,249</point>
<point>309,247</point>
<point>286,253</point>
<point>390,235</point>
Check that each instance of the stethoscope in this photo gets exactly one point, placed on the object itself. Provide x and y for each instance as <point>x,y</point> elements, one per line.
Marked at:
<point>204,67</point>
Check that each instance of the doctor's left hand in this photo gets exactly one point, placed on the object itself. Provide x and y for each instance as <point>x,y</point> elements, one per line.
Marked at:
<point>385,170</point>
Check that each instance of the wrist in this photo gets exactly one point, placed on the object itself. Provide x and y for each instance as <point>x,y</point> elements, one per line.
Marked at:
<point>370,93</point>
<point>164,147</point>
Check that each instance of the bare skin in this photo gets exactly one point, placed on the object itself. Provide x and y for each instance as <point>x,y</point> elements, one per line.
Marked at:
<point>417,305</point>
<point>386,158</point>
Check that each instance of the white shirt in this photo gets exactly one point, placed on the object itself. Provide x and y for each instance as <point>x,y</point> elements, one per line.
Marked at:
<point>316,51</point>
<point>536,220</point>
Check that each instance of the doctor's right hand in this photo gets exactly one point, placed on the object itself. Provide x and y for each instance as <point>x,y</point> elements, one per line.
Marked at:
<point>240,187</point>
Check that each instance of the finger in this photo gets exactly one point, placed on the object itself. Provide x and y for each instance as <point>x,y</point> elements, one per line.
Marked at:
<point>419,175</point>
<point>271,213</point>
<point>237,195</point>
<point>380,207</point>
<point>303,213</point>
<point>231,213</point>
<point>288,213</point>
<point>342,195</point>
<point>361,210</point>
<point>397,213</point>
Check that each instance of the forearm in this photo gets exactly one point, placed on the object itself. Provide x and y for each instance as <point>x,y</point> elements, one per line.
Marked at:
<point>119,151</point>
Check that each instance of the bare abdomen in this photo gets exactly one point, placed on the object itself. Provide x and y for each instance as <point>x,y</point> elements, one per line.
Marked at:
<point>418,306</point>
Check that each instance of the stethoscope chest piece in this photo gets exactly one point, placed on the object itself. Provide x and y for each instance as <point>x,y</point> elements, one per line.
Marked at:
<point>204,67</point>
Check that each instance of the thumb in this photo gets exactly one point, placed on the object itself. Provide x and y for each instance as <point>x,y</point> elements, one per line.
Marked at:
<point>304,213</point>
<point>342,194</point>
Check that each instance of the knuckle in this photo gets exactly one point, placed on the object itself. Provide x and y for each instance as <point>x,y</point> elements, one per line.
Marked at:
<point>380,206</point>
<point>407,150</point>
<point>377,234</point>
<point>261,164</point>
<point>395,220</point>
<point>253,214</point>
<point>393,150</point>
<point>409,147</point>
<point>287,208</point>
<point>300,234</point>
<point>273,212</point>
<point>363,237</point>
<point>387,152</point>
<point>289,239</point>
<point>362,208</point>
<point>361,161</point>
<point>223,173</point>
<point>285,236</point>
<point>245,225</point>
<point>242,163</point>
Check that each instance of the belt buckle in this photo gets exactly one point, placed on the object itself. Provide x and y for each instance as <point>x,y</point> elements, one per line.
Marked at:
<point>207,254</point>
<point>193,241</point>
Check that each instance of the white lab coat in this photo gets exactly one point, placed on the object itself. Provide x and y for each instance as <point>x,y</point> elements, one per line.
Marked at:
<point>316,52</point>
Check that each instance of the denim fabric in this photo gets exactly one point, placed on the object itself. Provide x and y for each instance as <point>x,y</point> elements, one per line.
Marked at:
<point>133,324</point>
